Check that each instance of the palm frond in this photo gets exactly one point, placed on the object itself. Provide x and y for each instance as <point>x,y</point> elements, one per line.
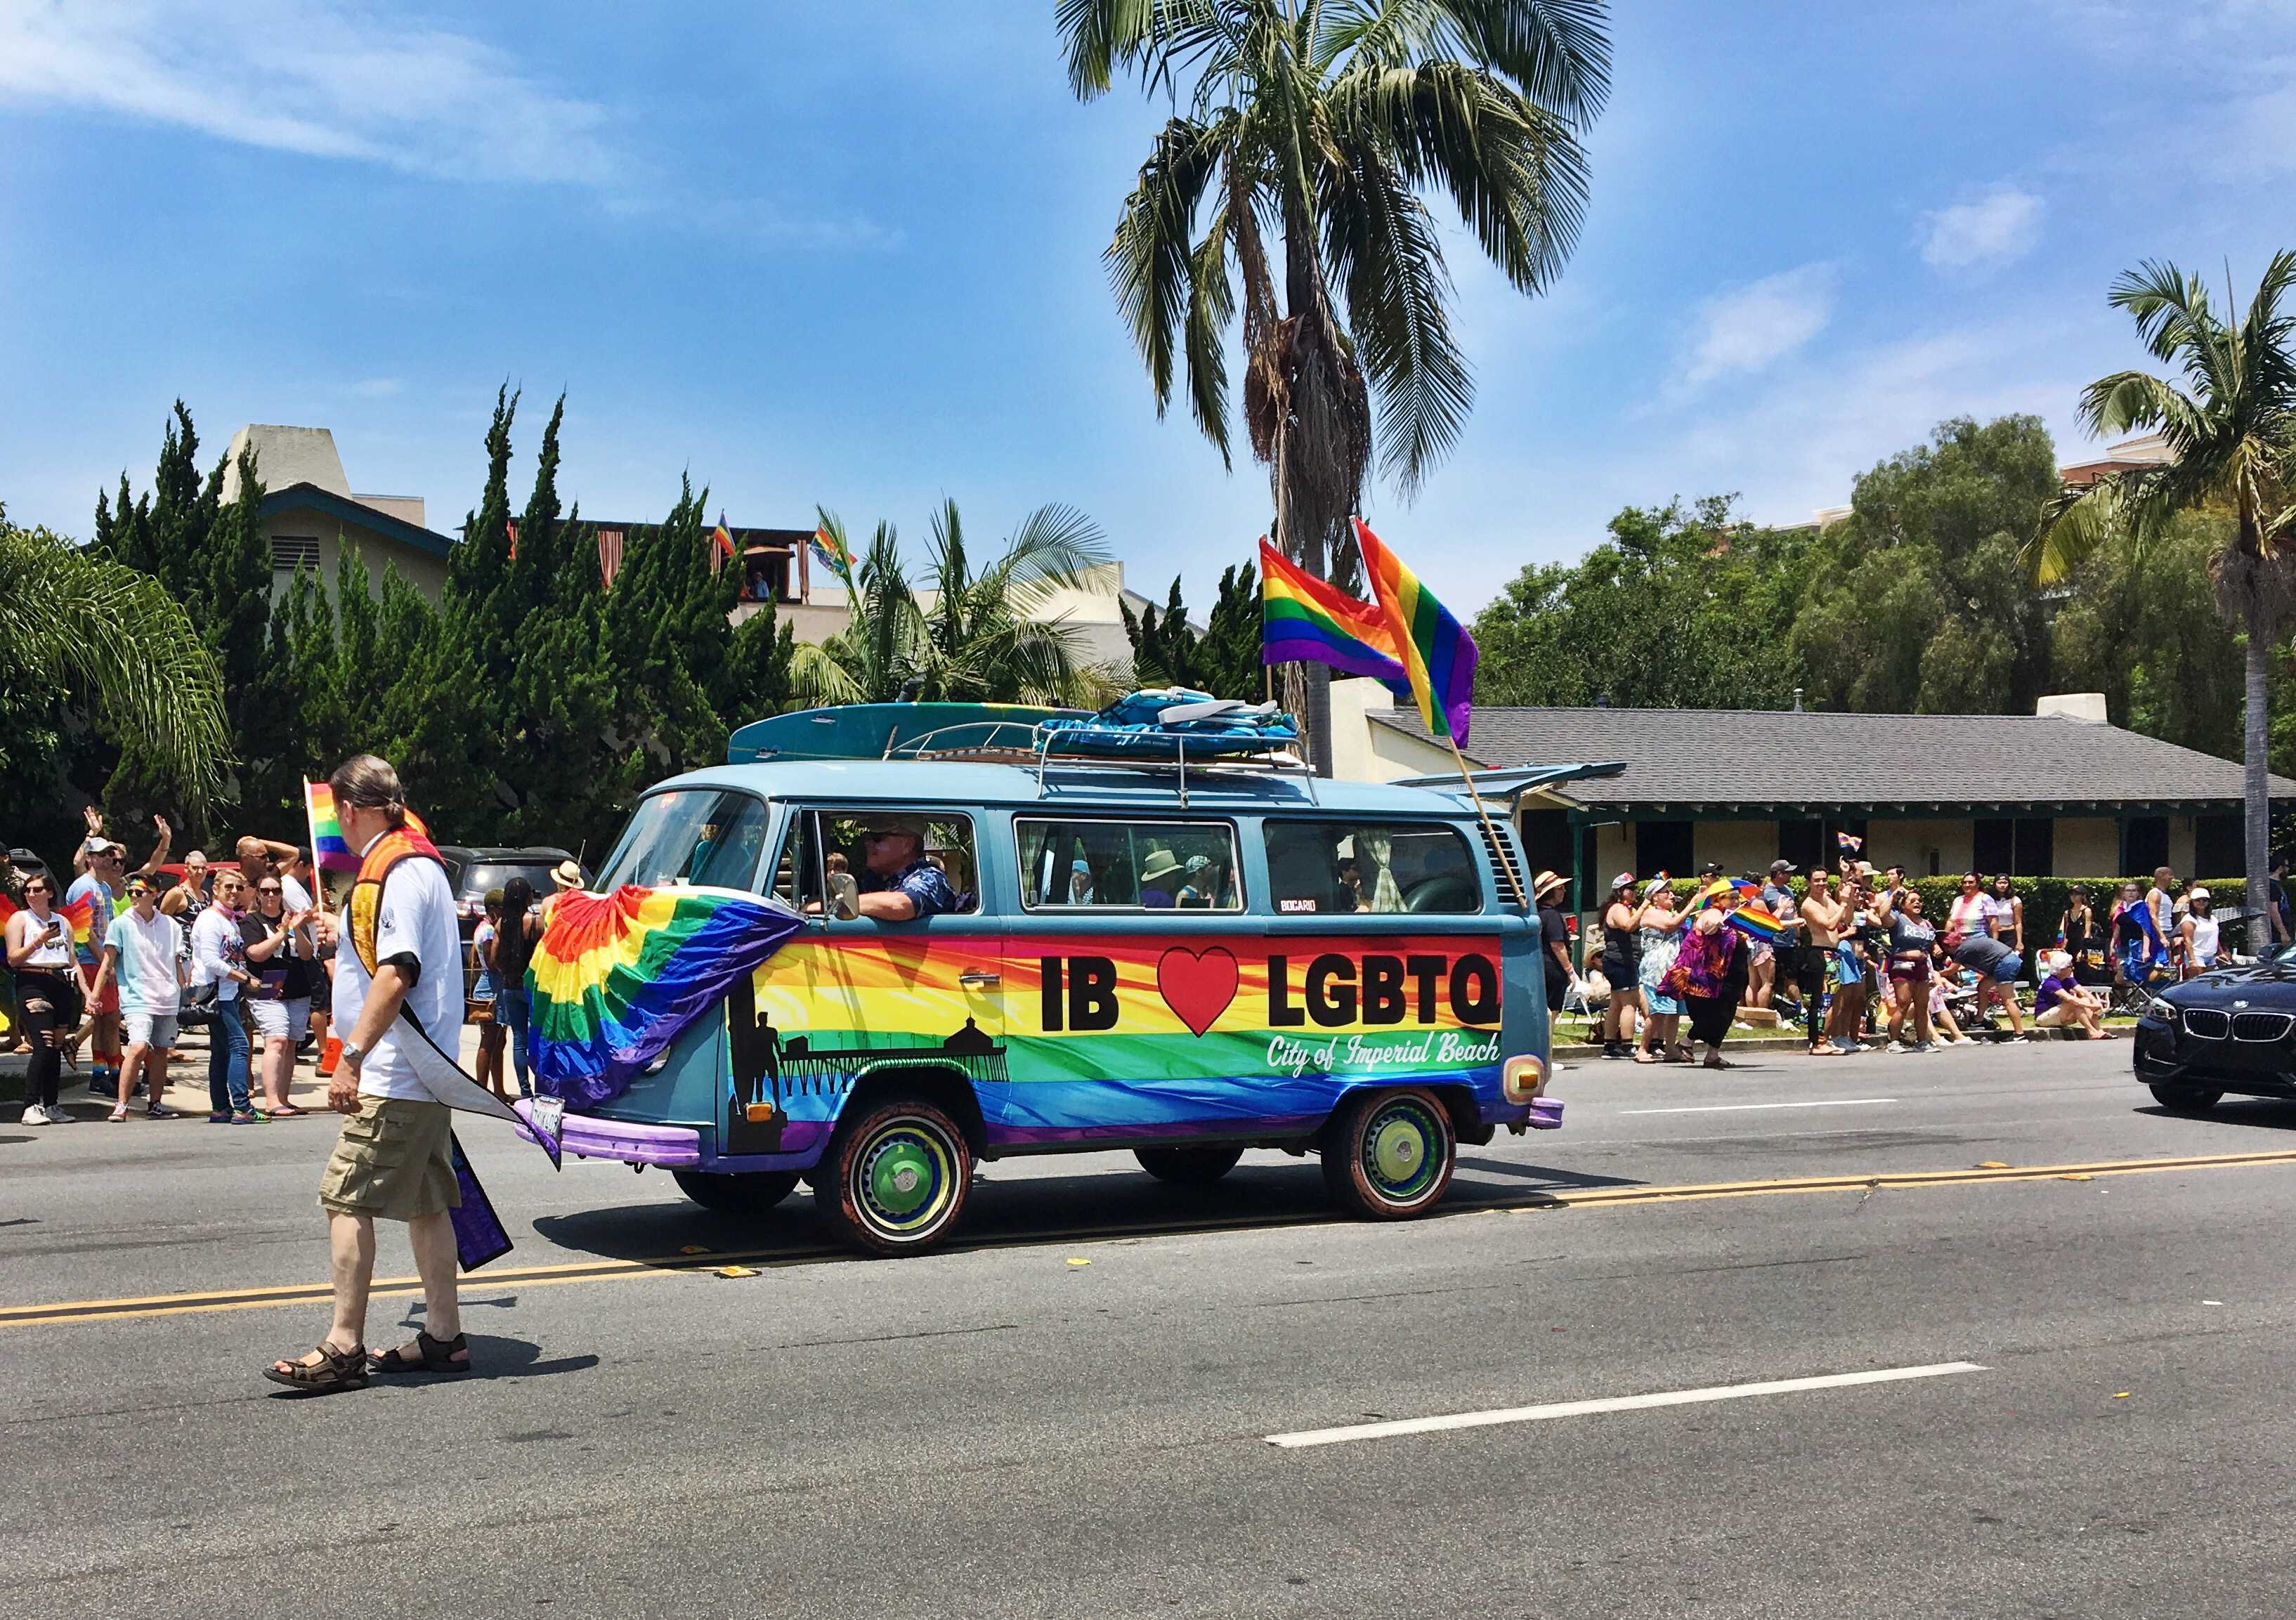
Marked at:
<point>1558,50</point>
<point>820,679</point>
<point>1380,242</point>
<point>70,621</point>
<point>1151,256</point>
<point>2121,509</point>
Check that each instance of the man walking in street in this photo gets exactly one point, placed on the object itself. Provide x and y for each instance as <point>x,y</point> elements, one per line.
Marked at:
<point>103,876</point>
<point>400,979</point>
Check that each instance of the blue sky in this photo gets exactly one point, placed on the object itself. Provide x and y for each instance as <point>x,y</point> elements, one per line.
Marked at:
<point>850,255</point>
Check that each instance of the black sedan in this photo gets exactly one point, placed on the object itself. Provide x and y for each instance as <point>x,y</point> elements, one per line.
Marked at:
<point>2233,1030</point>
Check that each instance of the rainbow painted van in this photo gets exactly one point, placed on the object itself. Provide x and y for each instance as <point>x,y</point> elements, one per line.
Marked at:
<point>1181,959</point>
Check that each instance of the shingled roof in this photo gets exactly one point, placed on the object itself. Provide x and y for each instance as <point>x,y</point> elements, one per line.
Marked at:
<point>1767,762</point>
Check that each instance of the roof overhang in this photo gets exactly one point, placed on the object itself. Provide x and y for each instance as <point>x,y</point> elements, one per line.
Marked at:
<point>310,498</point>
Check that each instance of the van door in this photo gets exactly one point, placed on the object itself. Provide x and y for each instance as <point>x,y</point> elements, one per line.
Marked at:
<point>1127,967</point>
<point>858,996</point>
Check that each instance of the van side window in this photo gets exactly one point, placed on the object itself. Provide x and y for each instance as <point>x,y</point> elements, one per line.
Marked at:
<point>1068,865</point>
<point>1370,866</point>
<point>832,841</point>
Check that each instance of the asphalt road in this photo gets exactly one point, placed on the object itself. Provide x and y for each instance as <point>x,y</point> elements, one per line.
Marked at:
<point>1000,1430</point>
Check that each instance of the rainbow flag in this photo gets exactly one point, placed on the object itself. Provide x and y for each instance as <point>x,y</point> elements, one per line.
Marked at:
<point>615,978</point>
<point>1438,653</point>
<point>722,539</point>
<point>832,554</point>
<point>1846,844</point>
<point>330,850</point>
<point>1757,923</point>
<point>1303,619</point>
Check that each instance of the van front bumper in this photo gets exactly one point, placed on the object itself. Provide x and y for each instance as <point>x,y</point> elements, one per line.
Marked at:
<point>589,1136</point>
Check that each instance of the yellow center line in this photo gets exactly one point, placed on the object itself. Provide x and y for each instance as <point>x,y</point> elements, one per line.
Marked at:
<point>669,1265</point>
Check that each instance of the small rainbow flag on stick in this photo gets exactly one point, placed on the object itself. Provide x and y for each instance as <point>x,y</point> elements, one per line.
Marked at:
<point>1438,653</point>
<point>330,850</point>
<point>1756,922</point>
<point>1303,619</point>
<point>615,978</point>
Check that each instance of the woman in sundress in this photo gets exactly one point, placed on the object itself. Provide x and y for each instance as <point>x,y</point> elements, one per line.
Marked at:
<point>1657,929</point>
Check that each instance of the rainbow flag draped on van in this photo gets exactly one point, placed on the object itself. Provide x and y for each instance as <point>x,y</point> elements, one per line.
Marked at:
<point>615,978</point>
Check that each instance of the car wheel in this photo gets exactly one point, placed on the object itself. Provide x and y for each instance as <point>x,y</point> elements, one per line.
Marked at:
<point>1389,1154</point>
<point>2186,1099</point>
<point>895,1180</point>
<point>1188,1167</point>
<point>739,1195</point>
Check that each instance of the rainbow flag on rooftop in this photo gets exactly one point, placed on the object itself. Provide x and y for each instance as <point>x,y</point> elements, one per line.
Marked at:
<point>330,850</point>
<point>1438,654</point>
<point>834,557</point>
<point>1303,619</point>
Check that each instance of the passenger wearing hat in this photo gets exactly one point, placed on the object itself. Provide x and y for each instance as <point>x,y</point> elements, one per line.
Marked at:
<point>1622,958</point>
<point>897,884</point>
<point>1554,944</point>
<point>1197,891</point>
<point>1159,875</point>
<point>2202,935</point>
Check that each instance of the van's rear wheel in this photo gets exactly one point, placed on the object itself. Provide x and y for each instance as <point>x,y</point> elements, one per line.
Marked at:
<point>1188,1167</point>
<point>752,1194</point>
<point>1389,1154</point>
<point>895,1180</point>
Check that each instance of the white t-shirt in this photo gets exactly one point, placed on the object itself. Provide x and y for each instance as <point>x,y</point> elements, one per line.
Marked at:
<point>148,953</point>
<point>417,916</point>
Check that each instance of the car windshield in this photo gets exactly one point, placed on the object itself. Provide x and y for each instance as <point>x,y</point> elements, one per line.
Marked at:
<point>479,876</point>
<point>690,835</point>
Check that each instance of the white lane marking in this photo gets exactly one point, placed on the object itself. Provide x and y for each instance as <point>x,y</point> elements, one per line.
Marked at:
<point>1748,1108</point>
<point>1579,1409</point>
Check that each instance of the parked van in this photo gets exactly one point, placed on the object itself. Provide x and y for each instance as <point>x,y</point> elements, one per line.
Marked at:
<point>1184,962</point>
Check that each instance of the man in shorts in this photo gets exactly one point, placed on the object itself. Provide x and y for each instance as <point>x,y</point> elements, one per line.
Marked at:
<point>393,1161</point>
<point>142,967</point>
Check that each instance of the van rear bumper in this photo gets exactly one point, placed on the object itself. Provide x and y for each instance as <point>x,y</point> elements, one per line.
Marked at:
<point>588,1136</point>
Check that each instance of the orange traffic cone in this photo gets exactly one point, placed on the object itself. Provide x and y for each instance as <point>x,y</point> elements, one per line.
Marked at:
<point>329,1055</point>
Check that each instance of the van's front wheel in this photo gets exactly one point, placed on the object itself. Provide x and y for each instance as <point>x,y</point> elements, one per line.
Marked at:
<point>895,1180</point>
<point>1389,1154</point>
<point>737,1195</point>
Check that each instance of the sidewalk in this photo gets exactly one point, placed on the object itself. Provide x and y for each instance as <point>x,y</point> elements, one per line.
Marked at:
<point>187,1088</point>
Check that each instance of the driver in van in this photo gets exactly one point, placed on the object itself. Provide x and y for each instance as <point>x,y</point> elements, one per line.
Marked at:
<point>898,883</point>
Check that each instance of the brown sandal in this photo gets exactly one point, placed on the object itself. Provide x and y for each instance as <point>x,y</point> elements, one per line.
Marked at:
<point>436,1357</point>
<point>335,1369</point>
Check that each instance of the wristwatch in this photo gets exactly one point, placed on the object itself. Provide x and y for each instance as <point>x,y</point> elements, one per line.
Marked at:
<point>350,1053</point>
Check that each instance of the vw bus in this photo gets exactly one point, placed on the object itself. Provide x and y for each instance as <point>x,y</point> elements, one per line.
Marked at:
<point>1179,958</point>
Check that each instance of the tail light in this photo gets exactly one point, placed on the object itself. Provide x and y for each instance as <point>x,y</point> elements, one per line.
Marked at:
<point>1522,1079</point>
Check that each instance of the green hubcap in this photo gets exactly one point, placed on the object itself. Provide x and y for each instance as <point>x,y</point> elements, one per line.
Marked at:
<point>1402,1150</point>
<point>905,1178</point>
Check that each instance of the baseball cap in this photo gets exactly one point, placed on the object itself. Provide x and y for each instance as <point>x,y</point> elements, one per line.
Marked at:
<point>1778,866</point>
<point>2196,893</point>
<point>97,847</point>
<point>1625,879</point>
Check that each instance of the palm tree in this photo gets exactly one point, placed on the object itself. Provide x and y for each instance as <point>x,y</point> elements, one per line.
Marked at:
<point>964,637</point>
<point>1320,122</point>
<point>74,624</point>
<point>2231,435</point>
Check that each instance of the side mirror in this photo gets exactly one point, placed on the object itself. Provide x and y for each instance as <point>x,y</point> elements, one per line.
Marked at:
<point>844,896</point>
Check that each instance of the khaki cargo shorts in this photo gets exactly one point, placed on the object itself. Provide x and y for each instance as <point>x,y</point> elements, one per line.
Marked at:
<point>391,1162</point>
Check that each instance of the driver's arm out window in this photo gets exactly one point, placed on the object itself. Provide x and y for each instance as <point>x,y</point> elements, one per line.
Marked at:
<point>1317,868</point>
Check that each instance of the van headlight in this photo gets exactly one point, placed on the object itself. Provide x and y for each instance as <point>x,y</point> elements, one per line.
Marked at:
<point>2160,1010</point>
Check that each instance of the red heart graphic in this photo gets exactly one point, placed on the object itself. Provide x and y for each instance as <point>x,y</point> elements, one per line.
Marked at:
<point>1196,985</point>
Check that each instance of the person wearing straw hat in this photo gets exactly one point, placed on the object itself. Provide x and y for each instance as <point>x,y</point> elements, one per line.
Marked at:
<point>1160,874</point>
<point>565,879</point>
<point>1553,945</point>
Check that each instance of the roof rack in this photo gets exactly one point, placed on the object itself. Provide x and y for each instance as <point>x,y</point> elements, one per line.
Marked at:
<point>1269,761</point>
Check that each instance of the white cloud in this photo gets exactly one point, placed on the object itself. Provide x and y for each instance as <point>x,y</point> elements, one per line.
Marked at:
<point>1749,327</point>
<point>306,75</point>
<point>1999,227</point>
<point>378,387</point>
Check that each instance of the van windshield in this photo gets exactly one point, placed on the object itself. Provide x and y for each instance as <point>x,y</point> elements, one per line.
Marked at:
<point>690,835</point>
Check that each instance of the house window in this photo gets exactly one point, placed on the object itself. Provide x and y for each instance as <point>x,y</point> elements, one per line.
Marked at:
<point>2034,841</point>
<point>292,552</point>
<point>1546,841</point>
<point>1664,847</point>
<point>2144,844</point>
<point>2219,847</point>
<point>1993,845</point>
